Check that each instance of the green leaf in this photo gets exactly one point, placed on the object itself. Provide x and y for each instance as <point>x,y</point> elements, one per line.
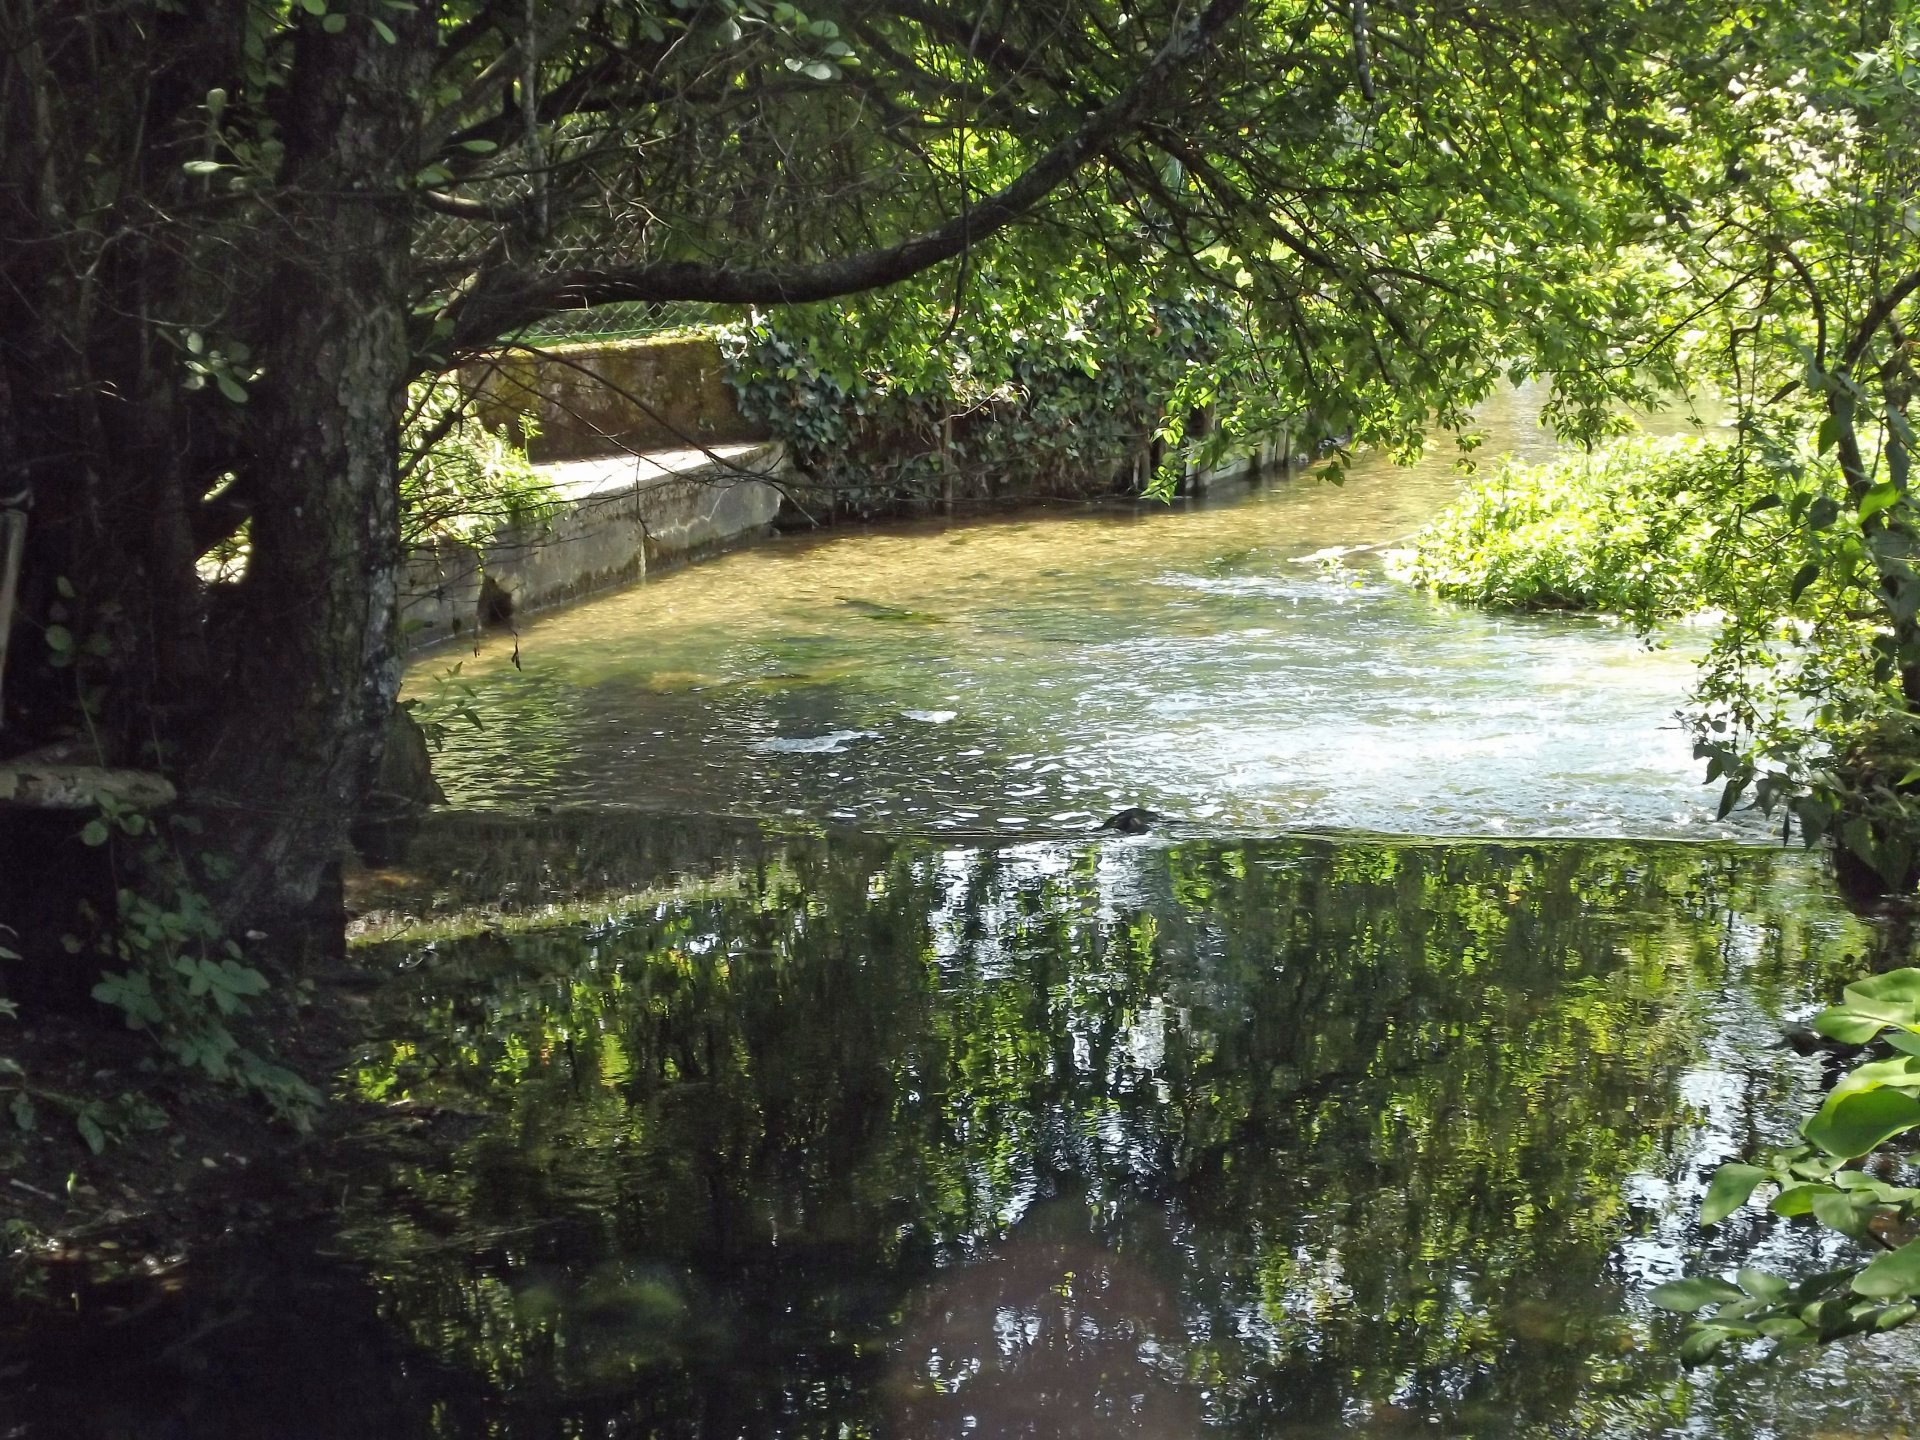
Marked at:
<point>91,1132</point>
<point>1835,1210</point>
<point>1823,512</point>
<point>59,639</point>
<point>1762,1285</point>
<point>1802,578</point>
<point>203,167</point>
<point>22,1108</point>
<point>314,7</point>
<point>479,147</point>
<point>230,387</point>
<point>1728,1191</point>
<point>1829,433</point>
<point>1880,497</point>
<point>383,30</point>
<point>1794,1200</point>
<point>1701,1345</point>
<point>1850,1125</point>
<point>1688,1295</point>
<point>1893,997</point>
<point>1849,1028</point>
<point>94,833</point>
<point>1892,1276</point>
<point>333,24</point>
<point>1900,1072</point>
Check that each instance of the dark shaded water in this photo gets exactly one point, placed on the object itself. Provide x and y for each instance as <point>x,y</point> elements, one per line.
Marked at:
<point>849,1137</point>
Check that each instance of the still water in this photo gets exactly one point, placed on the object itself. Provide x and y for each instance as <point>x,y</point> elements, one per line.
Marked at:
<point>1243,665</point>
<point>835,1138</point>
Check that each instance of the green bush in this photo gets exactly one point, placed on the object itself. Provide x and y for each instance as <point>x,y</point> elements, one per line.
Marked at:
<point>1084,399</point>
<point>1797,704</point>
<point>1629,529</point>
<point>1845,1175</point>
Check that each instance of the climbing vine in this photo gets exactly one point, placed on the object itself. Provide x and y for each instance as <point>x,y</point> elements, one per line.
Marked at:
<point>897,405</point>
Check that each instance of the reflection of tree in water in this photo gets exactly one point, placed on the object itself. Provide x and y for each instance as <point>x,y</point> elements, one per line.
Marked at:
<point>1108,1140</point>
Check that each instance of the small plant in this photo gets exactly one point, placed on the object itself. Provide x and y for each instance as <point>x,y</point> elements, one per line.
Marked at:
<point>183,978</point>
<point>451,699</point>
<point>1848,1175</point>
<point>459,479</point>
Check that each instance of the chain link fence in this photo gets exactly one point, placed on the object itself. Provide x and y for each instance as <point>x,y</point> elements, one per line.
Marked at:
<point>624,321</point>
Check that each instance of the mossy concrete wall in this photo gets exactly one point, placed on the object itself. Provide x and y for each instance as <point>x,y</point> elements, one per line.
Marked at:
<point>614,396</point>
<point>618,520</point>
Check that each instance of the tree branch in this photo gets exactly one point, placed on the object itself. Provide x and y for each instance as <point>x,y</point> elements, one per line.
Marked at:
<point>510,299</point>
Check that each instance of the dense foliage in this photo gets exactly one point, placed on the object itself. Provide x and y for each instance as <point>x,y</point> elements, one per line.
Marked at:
<point>1068,394</point>
<point>1633,528</point>
<point>1795,260</point>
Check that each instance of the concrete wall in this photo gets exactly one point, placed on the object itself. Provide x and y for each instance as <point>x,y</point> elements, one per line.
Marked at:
<point>606,397</point>
<point>1268,457</point>
<point>619,518</point>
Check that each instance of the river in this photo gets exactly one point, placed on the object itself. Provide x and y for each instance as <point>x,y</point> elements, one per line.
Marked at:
<point>1241,664</point>
<point>768,1046</point>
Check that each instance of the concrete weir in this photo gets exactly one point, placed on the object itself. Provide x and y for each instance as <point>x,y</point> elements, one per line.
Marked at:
<point>618,518</point>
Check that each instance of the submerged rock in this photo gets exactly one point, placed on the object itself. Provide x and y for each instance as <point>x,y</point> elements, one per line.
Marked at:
<point>1134,820</point>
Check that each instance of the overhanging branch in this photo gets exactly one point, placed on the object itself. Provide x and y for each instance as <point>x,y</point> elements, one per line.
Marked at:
<point>510,299</point>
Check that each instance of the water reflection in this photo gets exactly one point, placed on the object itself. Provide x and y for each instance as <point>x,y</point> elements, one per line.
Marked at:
<point>1242,664</point>
<point>1260,1139</point>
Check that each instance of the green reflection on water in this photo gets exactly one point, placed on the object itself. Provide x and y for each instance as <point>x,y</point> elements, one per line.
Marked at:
<point>1269,1138</point>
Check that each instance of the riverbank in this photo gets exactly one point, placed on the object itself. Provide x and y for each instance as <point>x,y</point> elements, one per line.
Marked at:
<point>652,466</point>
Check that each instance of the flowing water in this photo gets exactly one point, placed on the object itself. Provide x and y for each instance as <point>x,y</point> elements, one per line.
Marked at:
<point>926,1113</point>
<point>1242,664</point>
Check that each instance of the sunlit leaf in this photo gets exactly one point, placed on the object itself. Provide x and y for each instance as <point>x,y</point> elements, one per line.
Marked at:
<point>1894,1275</point>
<point>1852,1125</point>
<point>1688,1295</point>
<point>1728,1191</point>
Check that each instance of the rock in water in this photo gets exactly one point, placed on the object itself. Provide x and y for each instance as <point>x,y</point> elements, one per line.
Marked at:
<point>1805,1040</point>
<point>1134,820</point>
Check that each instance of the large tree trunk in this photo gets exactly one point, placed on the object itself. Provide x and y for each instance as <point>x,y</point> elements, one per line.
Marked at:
<point>313,646</point>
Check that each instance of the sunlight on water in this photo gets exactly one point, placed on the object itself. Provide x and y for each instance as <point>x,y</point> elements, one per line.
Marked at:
<point>1241,664</point>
